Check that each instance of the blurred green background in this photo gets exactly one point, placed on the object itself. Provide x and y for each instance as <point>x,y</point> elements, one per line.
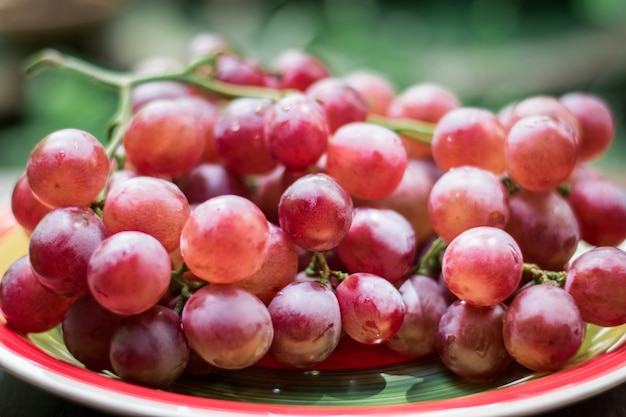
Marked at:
<point>489,52</point>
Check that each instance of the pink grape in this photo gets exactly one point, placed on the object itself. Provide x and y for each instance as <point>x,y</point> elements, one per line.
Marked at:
<point>129,272</point>
<point>543,328</point>
<point>267,192</point>
<point>425,304</point>
<point>87,329</point>
<point>467,197</point>
<point>542,105</point>
<point>482,266</point>
<point>469,136</point>
<point>208,180</point>
<point>69,167</point>
<point>225,239</point>
<point>597,282</point>
<point>150,348</point>
<point>234,340</point>
<point>278,270</point>
<point>206,44</point>
<point>298,70</point>
<point>375,88</point>
<point>379,241</point>
<point>150,205</point>
<point>595,119</point>
<point>545,227</point>
<point>410,197</point>
<point>426,102</point>
<point>307,324</point>
<point>600,207</point>
<point>540,152</point>
<point>240,136</point>
<point>342,103</point>
<point>27,306</point>
<point>372,309</point>
<point>60,248</point>
<point>470,342</point>
<point>27,209</point>
<point>165,138</point>
<point>296,131</point>
<point>241,71</point>
<point>359,149</point>
<point>315,212</point>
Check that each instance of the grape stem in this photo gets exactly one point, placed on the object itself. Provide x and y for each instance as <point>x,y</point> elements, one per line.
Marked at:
<point>198,74</point>
<point>182,286</point>
<point>430,262</point>
<point>540,276</point>
<point>413,129</point>
<point>318,267</point>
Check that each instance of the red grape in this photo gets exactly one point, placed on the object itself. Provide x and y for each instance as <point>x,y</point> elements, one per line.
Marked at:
<point>279,268</point>
<point>380,241</point>
<point>208,180</point>
<point>596,123</point>
<point>597,282</point>
<point>27,209</point>
<point>150,205</point>
<point>296,131</point>
<point>427,102</point>
<point>366,159</point>
<point>483,266</point>
<point>60,248</point>
<point>236,70</point>
<point>543,328</point>
<point>544,226</point>
<point>540,152</point>
<point>425,304</point>
<point>129,272</point>
<point>307,324</point>
<point>600,207</point>
<point>27,306</point>
<point>410,197</point>
<point>315,212</point>
<point>165,138</point>
<point>541,105</point>
<point>342,103</point>
<point>372,309</point>
<point>469,136</point>
<point>470,342</point>
<point>240,136</point>
<point>375,88</point>
<point>297,69</point>
<point>234,340</point>
<point>87,329</point>
<point>69,167</point>
<point>467,197</point>
<point>225,239</point>
<point>150,348</point>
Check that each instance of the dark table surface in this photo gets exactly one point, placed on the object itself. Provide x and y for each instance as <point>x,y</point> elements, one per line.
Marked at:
<point>18,398</point>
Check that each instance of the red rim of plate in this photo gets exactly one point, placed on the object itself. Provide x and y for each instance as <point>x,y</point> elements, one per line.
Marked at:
<point>570,385</point>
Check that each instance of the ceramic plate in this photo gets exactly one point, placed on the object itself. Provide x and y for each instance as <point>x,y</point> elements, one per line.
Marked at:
<point>355,381</point>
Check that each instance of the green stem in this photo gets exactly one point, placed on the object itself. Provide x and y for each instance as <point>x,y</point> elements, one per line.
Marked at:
<point>540,276</point>
<point>318,267</point>
<point>430,262</point>
<point>413,129</point>
<point>120,121</point>
<point>511,186</point>
<point>55,59</point>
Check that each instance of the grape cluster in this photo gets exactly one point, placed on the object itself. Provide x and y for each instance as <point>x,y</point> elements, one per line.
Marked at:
<point>238,212</point>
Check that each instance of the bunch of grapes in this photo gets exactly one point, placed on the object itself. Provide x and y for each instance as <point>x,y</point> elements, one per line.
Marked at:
<point>238,212</point>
